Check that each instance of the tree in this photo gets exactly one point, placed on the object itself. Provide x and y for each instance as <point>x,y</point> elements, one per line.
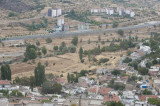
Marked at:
<point>44,50</point>
<point>83,72</point>
<point>143,71</point>
<point>115,24</point>
<point>30,52</point>
<point>49,40</point>
<point>99,38</point>
<point>154,101</point>
<point>147,92</point>
<point>51,88</point>
<point>39,73</point>
<point>75,41</point>
<point>32,81</point>
<point>121,32</point>
<point>5,72</point>
<point>81,54</point>
<point>116,72</point>
<point>16,93</point>
<point>72,49</point>
<point>68,78</point>
<point>55,48</point>
<point>113,103</point>
<point>38,43</point>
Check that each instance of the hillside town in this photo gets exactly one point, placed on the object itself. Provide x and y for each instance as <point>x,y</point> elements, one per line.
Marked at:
<point>74,53</point>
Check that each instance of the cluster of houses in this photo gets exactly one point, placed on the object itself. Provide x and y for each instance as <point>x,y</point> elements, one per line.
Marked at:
<point>94,91</point>
<point>110,11</point>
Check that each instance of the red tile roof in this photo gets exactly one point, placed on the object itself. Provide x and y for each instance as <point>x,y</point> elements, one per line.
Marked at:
<point>103,91</point>
<point>125,77</point>
<point>108,98</point>
<point>60,80</point>
<point>144,97</point>
<point>5,82</point>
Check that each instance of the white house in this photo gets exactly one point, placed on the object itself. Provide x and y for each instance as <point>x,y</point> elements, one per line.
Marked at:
<point>128,95</point>
<point>145,49</point>
<point>132,14</point>
<point>4,84</point>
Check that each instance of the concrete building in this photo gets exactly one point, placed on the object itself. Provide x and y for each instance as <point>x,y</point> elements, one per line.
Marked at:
<point>94,10</point>
<point>54,12</point>
<point>65,28</point>
<point>83,27</point>
<point>153,71</point>
<point>128,95</point>
<point>60,22</point>
<point>145,49</point>
<point>132,14</point>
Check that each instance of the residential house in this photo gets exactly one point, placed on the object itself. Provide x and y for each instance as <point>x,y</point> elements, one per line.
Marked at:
<point>5,84</point>
<point>99,90</point>
<point>156,84</point>
<point>137,55</point>
<point>110,97</point>
<point>128,95</point>
<point>145,49</point>
<point>60,80</point>
<point>145,97</point>
<point>101,71</point>
<point>153,71</point>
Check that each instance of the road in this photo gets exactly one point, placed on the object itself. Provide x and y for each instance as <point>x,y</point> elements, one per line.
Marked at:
<point>78,33</point>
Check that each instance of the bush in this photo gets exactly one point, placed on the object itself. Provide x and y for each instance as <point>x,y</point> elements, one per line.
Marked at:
<point>103,60</point>
<point>121,32</point>
<point>12,14</point>
<point>49,40</point>
<point>72,49</point>
<point>127,60</point>
<point>55,48</point>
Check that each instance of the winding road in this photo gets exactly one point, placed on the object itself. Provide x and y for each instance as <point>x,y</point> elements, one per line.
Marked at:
<point>78,33</point>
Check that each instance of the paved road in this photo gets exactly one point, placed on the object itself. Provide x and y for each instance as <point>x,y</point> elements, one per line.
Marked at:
<point>77,33</point>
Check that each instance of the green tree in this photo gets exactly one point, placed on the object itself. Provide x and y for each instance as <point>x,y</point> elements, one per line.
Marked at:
<point>39,73</point>
<point>68,78</point>
<point>55,48</point>
<point>30,52</point>
<point>113,103</point>
<point>81,54</point>
<point>75,41</point>
<point>16,93</point>
<point>143,71</point>
<point>154,101</point>
<point>116,72</point>
<point>5,72</point>
<point>121,32</point>
<point>32,82</point>
<point>115,24</point>
<point>83,72</point>
<point>49,40</point>
<point>51,88</point>
<point>147,92</point>
<point>44,50</point>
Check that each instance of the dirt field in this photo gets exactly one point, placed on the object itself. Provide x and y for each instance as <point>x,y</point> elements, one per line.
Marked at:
<point>69,62</point>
